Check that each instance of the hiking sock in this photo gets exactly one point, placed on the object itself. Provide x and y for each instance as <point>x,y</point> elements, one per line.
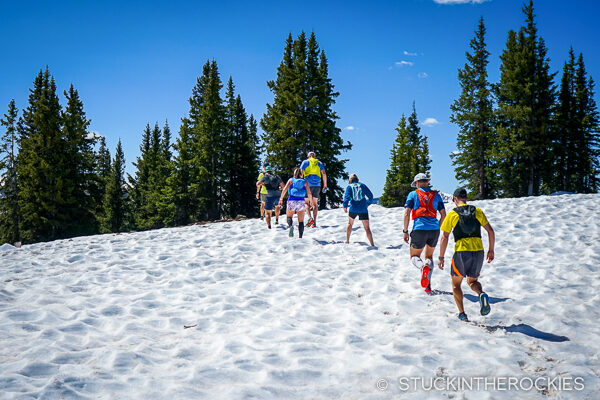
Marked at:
<point>300,228</point>
<point>290,221</point>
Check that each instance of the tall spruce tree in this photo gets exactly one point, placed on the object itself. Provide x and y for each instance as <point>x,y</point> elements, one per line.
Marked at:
<point>9,187</point>
<point>207,124</point>
<point>102,166</point>
<point>79,203</point>
<point>421,161</point>
<point>43,153</point>
<point>115,198</point>
<point>473,113</point>
<point>409,156</point>
<point>526,96</point>
<point>401,172</point>
<point>301,118</point>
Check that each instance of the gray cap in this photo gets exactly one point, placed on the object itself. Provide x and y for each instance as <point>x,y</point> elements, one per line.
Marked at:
<point>461,193</point>
<point>419,177</point>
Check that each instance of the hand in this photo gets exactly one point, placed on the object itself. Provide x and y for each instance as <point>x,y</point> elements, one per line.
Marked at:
<point>280,202</point>
<point>490,256</point>
<point>257,196</point>
<point>345,210</point>
<point>325,189</point>
<point>406,237</point>
<point>441,263</point>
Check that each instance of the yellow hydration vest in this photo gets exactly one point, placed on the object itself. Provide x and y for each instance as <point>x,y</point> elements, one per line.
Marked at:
<point>313,168</point>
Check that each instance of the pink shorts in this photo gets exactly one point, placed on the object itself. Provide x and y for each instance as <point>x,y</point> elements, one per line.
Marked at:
<point>295,205</point>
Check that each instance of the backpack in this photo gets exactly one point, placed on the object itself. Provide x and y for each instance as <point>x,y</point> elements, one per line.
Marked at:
<point>271,182</point>
<point>297,188</point>
<point>357,193</point>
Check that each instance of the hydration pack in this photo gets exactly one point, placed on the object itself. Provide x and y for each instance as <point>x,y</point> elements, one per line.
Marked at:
<point>357,193</point>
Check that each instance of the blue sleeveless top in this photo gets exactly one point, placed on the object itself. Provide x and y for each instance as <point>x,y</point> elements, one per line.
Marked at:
<point>297,191</point>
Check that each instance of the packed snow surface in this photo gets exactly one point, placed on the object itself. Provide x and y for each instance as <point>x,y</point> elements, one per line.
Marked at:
<point>235,311</point>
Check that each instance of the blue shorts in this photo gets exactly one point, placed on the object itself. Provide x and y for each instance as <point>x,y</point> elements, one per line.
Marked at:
<point>271,202</point>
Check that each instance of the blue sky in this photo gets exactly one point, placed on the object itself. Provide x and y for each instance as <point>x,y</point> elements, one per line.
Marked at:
<point>135,62</point>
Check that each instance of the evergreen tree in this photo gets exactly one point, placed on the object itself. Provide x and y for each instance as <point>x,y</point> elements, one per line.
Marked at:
<point>208,130</point>
<point>115,198</point>
<point>183,186</point>
<point>473,113</point>
<point>525,102</point>
<point>401,172</point>
<point>9,188</point>
<point>421,161</point>
<point>301,118</point>
<point>103,170</point>
<point>78,168</point>
<point>409,156</point>
<point>42,183</point>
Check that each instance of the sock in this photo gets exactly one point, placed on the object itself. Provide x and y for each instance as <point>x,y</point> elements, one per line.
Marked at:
<point>290,221</point>
<point>300,228</point>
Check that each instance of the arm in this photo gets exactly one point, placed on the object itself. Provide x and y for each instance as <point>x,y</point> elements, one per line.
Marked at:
<point>284,190</point>
<point>442,215</point>
<point>346,199</point>
<point>258,185</point>
<point>407,212</point>
<point>368,192</point>
<point>324,175</point>
<point>443,246</point>
<point>492,241</point>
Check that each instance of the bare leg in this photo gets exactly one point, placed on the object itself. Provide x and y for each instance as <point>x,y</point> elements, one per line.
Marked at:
<point>474,285</point>
<point>457,292</point>
<point>415,252</point>
<point>349,229</point>
<point>300,216</point>
<point>262,208</point>
<point>368,231</point>
<point>429,252</point>
<point>268,215</point>
<point>277,211</point>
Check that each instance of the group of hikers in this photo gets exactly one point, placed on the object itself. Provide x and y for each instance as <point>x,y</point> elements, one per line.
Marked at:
<point>422,206</point>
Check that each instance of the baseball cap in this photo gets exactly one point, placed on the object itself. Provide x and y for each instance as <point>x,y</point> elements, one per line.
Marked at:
<point>268,168</point>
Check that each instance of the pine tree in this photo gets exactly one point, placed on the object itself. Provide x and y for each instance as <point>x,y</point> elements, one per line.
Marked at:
<point>473,113</point>
<point>208,131</point>
<point>301,118</point>
<point>115,198</point>
<point>42,183</point>
<point>103,168</point>
<point>183,186</point>
<point>421,161</point>
<point>9,187</point>
<point>401,172</point>
<point>78,168</point>
<point>525,102</point>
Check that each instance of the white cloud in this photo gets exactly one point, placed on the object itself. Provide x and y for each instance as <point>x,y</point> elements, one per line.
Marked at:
<point>406,53</point>
<point>350,128</point>
<point>430,122</point>
<point>403,63</point>
<point>459,1</point>
<point>422,75</point>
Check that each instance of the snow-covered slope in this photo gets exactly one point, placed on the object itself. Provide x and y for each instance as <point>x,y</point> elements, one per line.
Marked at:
<point>274,317</point>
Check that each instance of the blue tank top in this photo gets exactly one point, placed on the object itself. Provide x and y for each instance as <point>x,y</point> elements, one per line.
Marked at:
<point>297,189</point>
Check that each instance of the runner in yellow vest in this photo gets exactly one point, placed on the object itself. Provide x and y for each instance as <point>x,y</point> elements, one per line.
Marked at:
<point>263,196</point>
<point>313,171</point>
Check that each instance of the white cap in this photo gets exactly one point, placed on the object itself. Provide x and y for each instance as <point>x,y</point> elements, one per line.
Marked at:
<point>419,177</point>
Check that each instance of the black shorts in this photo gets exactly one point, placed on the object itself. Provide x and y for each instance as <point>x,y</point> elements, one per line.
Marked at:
<point>418,239</point>
<point>361,216</point>
<point>316,193</point>
<point>467,263</point>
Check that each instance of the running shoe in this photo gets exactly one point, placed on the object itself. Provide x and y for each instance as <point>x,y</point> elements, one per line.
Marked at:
<point>276,222</point>
<point>291,234</point>
<point>428,289</point>
<point>310,222</point>
<point>484,300</point>
<point>463,317</point>
<point>425,276</point>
